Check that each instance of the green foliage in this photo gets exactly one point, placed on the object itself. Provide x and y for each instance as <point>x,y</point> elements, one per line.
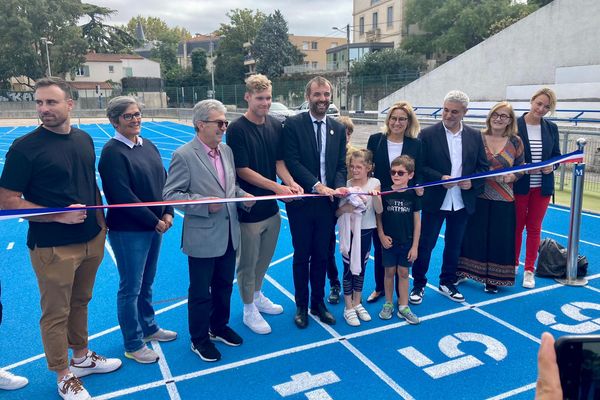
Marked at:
<point>242,28</point>
<point>22,25</point>
<point>103,38</point>
<point>539,3</point>
<point>272,48</point>
<point>453,26</point>
<point>386,62</point>
<point>155,28</point>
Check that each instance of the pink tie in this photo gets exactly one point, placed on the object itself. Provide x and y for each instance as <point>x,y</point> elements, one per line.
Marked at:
<point>216,157</point>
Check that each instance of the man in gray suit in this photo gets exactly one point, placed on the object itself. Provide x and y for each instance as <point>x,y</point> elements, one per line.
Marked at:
<point>203,168</point>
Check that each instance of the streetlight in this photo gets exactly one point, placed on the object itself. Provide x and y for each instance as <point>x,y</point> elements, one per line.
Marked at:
<point>347,31</point>
<point>212,62</point>
<point>47,42</point>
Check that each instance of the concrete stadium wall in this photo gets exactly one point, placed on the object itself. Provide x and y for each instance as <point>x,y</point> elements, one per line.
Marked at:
<point>562,34</point>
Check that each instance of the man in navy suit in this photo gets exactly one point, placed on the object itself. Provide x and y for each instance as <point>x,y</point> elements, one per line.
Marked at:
<point>315,155</point>
<point>450,149</point>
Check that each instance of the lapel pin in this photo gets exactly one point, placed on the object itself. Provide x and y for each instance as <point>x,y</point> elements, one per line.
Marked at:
<point>331,131</point>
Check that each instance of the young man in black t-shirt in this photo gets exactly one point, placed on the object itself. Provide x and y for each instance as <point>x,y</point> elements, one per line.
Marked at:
<point>399,227</point>
<point>54,166</point>
<point>255,139</point>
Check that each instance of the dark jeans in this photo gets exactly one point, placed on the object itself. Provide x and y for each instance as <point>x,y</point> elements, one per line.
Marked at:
<point>431,224</point>
<point>209,294</point>
<point>137,257</point>
<point>311,226</point>
<point>332,271</point>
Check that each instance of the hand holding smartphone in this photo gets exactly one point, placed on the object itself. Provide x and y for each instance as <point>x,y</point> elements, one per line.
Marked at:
<point>578,359</point>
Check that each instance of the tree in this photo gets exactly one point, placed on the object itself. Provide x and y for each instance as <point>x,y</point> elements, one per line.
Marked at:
<point>386,62</point>
<point>272,48</point>
<point>155,28</point>
<point>103,38</point>
<point>453,26</point>
<point>242,28</point>
<point>22,25</point>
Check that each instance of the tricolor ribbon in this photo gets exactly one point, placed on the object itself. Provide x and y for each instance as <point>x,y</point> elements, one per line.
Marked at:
<point>575,156</point>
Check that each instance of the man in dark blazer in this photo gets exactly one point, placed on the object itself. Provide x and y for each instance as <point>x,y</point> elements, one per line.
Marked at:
<point>315,155</point>
<point>450,149</point>
<point>202,168</point>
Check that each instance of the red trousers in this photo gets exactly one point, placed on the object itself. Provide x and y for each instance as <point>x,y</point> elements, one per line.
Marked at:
<point>530,210</point>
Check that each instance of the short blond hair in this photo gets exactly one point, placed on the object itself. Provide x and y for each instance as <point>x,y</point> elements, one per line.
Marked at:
<point>551,96</point>
<point>413,127</point>
<point>511,129</point>
<point>347,122</point>
<point>257,83</point>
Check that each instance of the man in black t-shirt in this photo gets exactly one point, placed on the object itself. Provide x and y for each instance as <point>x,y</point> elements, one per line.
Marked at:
<point>255,139</point>
<point>54,166</point>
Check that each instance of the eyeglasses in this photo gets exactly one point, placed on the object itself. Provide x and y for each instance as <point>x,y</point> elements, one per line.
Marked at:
<point>220,123</point>
<point>501,117</point>
<point>398,119</point>
<point>129,117</point>
<point>395,172</point>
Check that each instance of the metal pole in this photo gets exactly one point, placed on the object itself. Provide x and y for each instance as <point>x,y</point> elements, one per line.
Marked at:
<point>575,223</point>
<point>347,67</point>
<point>212,66</point>
<point>47,42</point>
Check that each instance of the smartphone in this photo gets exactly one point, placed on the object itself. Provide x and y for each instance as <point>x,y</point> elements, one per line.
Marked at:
<point>579,365</point>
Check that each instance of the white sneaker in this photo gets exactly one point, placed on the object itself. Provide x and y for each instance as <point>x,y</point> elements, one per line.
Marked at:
<point>94,364</point>
<point>264,305</point>
<point>161,335</point>
<point>528,280</point>
<point>351,317</point>
<point>362,313</point>
<point>9,381</point>
<point>71,388</point>
<point>145,355</point>
<point>257,324</point>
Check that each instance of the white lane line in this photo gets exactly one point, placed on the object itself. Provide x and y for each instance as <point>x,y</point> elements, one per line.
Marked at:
<point>566,237</point>
<point>508,325</point>
<point>357,353</point>
<point>10,246</point>
<point>103,131</point>
<point>166,372</point>
<point>513,392</point>
<point>165,135</point>
<point>568,211</point>
<point>171,128</point>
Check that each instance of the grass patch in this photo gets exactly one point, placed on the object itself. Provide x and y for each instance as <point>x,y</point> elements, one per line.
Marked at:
<point>591,201</point>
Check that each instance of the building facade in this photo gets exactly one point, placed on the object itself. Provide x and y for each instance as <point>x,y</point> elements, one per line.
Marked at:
<point>379,21</point>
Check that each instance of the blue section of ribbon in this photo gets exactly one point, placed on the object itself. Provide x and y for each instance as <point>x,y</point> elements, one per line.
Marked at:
<point>21,213</point>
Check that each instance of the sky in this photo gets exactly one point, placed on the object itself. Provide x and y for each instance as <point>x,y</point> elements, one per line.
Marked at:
<point>304,17</point>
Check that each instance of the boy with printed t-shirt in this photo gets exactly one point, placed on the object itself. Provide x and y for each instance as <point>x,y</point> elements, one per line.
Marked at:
<point>399,227</point>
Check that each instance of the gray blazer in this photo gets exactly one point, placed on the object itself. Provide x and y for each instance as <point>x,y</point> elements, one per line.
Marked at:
<point>192,176</point>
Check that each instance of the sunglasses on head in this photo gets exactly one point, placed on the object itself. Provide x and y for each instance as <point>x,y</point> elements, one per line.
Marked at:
<point>129,117</point>
<point>220,123</point>
<point>394,172</point>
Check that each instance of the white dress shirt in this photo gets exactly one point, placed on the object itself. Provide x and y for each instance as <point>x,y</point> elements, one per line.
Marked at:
<point>323,134</point>
<point>453,200</point>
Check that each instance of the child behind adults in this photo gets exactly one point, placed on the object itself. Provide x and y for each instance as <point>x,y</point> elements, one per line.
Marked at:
<point>399,228</point>
<point>356,216</point>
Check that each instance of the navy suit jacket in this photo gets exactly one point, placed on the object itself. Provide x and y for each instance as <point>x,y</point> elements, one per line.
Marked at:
<point>300,152</point>
<point>381,159</point>
<point>436,163</point>
<point>550,149</point>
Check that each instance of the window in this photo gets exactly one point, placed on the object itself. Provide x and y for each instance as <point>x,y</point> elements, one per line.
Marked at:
<point>375,1</point>
<point>361,26</point>
<point>315,64</point>
<point>390,17</point>
<point>111,69</point>
<point>333,44</point>
<point>84,70</point>
<point>314,45</point>
<point>128,72</point>
<point>375,20</point>
<point>304,45</point>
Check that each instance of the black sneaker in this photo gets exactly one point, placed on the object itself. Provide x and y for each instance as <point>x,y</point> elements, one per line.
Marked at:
<point>450,290</point>
<point>207,352</point>
<point>334,295</point>
<point>416,295</point>
<point>489,288</point>
<point>227,336</point>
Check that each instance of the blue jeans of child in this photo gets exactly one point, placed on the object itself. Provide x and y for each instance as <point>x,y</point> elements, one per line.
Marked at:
<point>137,255</point>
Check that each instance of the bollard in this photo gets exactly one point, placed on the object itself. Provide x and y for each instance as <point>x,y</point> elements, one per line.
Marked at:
<point>575,223</point>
